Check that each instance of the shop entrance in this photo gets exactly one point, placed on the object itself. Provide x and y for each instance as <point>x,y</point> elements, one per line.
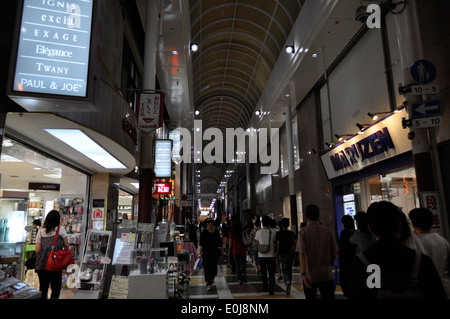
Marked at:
<point>32,184</point>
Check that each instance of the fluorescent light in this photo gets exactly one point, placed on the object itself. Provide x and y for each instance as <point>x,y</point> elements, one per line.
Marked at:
<point>86,146</point>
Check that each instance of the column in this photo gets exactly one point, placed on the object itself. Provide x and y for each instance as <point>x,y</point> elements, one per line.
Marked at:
<point>146,173</point>
<point>426,162</point>
<point>290,151</point>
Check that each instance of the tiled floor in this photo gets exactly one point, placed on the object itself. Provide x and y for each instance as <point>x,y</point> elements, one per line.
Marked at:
<point>227,286</point>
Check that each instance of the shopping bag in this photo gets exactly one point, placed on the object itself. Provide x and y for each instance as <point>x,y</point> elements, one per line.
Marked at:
<point>60,259</point>
<point>198,264</point>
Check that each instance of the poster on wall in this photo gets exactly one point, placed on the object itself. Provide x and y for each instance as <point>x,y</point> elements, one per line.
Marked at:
<point>54,48</point>
<point>430,200</point>
<point>150,111</point>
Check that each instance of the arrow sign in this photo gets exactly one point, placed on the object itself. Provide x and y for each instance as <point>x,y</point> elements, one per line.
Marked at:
<point>425,109</point>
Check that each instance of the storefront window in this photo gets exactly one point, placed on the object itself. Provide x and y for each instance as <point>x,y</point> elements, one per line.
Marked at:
<point>32,185</point>
<point>398,187</point>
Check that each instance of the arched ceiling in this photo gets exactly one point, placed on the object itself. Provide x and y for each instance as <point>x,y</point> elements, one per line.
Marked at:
<point>239,43</point>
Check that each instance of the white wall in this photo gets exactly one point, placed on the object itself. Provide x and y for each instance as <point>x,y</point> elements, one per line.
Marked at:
<point>357,86</point>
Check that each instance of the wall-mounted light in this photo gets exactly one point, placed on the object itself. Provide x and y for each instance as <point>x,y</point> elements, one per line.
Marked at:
<point>341,137</point>
<point>330,145</point>
<point>258,112</point>
<point>194,47</point>
<point>376,116</point>
<point>197,112</point>
<point>362,127</point>
<point>290,49</point>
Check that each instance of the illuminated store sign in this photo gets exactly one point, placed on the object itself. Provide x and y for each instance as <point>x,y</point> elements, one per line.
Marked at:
<point>163,158</point>
<point>54,47</point>
<point>379,142</point>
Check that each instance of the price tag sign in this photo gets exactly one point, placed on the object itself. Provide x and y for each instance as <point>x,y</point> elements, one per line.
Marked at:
<point>119,288</point>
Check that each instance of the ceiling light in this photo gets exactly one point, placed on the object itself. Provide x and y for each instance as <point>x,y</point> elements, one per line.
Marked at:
<point>136,185</point>
<point>258,112</point>
<point>315,55</point>
<point>86,146</point>
<point>175,52</point>
<point>290,49</point>
<point>197,112</point>
<point>194,47</point>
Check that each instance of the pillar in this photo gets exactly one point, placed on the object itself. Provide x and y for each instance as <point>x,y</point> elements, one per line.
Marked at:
<point>290,151</point>
<point>426,162</point>
<point>146,173</point>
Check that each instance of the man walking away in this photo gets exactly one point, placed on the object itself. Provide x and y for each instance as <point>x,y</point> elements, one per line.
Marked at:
<point>286,252</point>
<point>318,250</point>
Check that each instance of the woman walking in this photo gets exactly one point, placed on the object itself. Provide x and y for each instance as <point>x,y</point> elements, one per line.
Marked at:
<point>44,241</point>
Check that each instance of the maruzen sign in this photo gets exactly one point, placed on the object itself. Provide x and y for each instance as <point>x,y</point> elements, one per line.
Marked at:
<point>379,142</point>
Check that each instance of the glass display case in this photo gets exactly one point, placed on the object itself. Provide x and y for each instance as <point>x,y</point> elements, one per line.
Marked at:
<point>94,260</point>
<point>149,261</point>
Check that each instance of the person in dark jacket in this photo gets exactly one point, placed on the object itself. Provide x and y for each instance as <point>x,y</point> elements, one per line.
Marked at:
<point>395,261</point>
<point>346,253</point>
<point>210,250</point>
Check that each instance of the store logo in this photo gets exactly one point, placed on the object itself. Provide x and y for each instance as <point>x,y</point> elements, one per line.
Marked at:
<point>364,149</point>
<point>374,19</point>
<point>213,152</point>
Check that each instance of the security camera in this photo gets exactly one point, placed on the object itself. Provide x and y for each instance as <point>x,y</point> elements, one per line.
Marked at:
<point>361,14</point>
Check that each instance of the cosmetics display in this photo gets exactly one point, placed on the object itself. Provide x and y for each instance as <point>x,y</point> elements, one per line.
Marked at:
<point>93,264</point>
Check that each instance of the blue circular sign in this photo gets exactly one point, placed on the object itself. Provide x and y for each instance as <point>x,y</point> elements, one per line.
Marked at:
<point>423,71</point>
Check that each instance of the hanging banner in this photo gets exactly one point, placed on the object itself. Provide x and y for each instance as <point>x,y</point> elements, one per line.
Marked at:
<point>150,111</point>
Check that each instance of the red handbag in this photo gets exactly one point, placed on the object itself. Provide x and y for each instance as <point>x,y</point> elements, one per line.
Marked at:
<point>60,259</point>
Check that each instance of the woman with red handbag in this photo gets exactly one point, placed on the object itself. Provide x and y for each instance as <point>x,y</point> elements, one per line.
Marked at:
<point>50,238</point>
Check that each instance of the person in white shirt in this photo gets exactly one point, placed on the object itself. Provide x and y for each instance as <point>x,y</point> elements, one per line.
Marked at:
<point>432,244</point>
<point>267,236</point>
<point>44,242</point>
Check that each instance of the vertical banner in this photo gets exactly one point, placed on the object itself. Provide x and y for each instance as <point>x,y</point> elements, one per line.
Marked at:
<point>430,200</point>
<point>150,111</point>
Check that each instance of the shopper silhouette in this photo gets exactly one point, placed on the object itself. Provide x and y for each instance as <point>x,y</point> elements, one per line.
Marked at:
<point>286,251</point>
<point>396,262</point>
<point>346,253</point>
<point>266,236</point>
<point>238,250</point>
<point>318,251</point>
<point>433,244</point>
<point>362,237</point>
<point>210,250</point>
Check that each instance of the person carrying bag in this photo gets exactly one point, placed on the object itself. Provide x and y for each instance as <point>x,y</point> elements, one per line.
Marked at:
<point>49,241</point>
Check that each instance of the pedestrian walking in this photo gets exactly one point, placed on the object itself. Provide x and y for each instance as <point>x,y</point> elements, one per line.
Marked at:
<point>433,244</point>
<point>44,242</point>
<point>362,237</point>
<point>254,245</point>
<point>210,251</point>
<point>266,238</point>
<point>286,251</point>
<point>238,250</point>
<point>318,250</point>
<point>404,273</point>
<point>346,253</point>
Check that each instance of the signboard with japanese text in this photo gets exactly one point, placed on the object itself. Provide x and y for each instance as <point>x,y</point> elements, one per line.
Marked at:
<point>54,47</point>
<point>150,111</point>
<point>430,200</point>
<point>163,188</point>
